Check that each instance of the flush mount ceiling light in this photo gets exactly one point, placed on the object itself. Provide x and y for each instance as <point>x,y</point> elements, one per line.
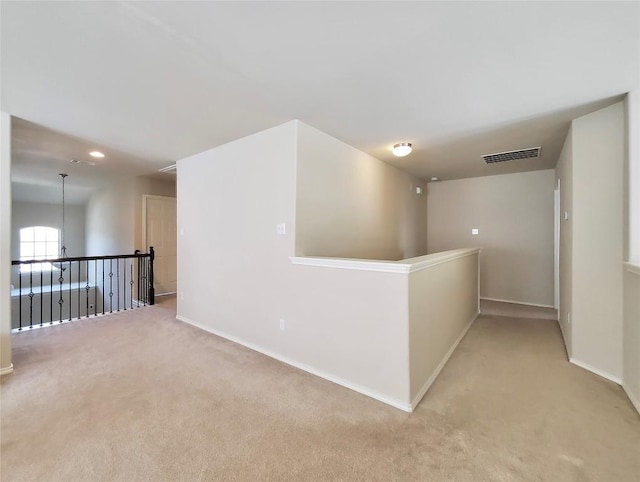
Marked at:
<point>401,149</point>
<point>97,154</point>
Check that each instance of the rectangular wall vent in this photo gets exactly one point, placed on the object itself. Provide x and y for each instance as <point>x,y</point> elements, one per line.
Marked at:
<point>512,155</point>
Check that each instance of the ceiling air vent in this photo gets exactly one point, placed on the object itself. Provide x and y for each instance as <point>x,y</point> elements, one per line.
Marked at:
<point>512,155</point>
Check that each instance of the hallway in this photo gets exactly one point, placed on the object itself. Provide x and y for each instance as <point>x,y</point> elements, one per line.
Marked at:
<point>141,396</point>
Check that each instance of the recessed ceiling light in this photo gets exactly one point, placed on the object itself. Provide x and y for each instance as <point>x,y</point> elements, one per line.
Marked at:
<point>96,154</point>
<point>434,179</point>
<point>402,149</point>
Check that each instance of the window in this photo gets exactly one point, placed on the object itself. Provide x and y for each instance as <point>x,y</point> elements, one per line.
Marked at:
<point>39,242</point>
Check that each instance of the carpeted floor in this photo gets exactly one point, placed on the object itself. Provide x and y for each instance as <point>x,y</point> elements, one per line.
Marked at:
<point>140,396</point>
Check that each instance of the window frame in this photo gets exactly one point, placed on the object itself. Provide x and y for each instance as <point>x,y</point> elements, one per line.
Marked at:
<point>48,237</point>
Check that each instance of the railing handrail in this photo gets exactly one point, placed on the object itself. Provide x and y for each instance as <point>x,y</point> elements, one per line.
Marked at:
<point>80,258</point>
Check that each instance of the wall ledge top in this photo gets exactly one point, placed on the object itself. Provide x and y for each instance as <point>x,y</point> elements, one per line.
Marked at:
<point>404,266</point>
<point>633,267</point>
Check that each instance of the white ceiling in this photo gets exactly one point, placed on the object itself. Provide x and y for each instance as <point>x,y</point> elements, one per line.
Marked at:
<point>154,82</point>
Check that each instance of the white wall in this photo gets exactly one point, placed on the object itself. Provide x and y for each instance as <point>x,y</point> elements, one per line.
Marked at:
<point>631,353</point>
<point>443,301</point>
<point>351,326</point>
<point>233,267</point>
<point>591,171</point>
<point>114,215</point>
<point>5,243</point>
<point>631,328</point>
<point>235,277</point>
<point>633,170</point>
<point>349,204</point>
<point>514,215</point>
<point>26,214</point>
<point>597,287</point>
<point>564,173</point>
<point>110,219</point>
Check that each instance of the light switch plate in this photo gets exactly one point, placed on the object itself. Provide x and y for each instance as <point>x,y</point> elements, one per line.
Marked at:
<point>281,229</point>
<point>474,231</point>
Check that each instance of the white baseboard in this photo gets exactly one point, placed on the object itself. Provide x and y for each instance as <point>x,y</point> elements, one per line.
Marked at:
<point>441,365</point>
<point>597,371</point>
<point>319,373</point>
<point>564,340</point>
<point>518,302</point>
<point>634,401</point>
<point>6,370</point>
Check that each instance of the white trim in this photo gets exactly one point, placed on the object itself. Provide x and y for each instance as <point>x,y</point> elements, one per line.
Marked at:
<point>332,378</point>
<point>441,365</point>
<point>357,264</point>
<point>404,266</point>
<point>170,168</point>
<point>144,216</point>
<point>633,399</point>
<point>597,371</point>
<point>517,302</point>
<point>556,246</point>
<point>633,268</point>
<point>6,370</point>
<point>438,258</point>
<point>145,248</point>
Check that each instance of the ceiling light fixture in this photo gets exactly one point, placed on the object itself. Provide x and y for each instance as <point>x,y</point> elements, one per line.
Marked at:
<point>401,149</point>
<point>97,154</point>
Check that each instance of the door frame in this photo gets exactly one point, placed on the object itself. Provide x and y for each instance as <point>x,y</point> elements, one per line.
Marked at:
<point>556,248</point>
<point>145,198</point>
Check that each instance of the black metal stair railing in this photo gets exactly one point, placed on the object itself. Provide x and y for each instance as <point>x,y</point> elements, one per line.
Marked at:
<point>80,287</point>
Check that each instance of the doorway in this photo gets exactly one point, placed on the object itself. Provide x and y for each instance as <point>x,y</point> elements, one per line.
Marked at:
<point>159,231</point>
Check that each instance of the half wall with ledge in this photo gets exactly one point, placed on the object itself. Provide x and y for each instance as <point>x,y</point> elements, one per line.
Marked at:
<point>390,326</point>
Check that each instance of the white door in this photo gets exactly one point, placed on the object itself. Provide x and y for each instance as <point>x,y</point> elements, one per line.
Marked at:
<point>160,232</point>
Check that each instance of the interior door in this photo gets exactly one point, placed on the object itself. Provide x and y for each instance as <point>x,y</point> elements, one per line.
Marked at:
<point>160,232</point>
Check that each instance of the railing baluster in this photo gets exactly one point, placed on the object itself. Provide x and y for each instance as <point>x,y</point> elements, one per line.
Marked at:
<point>144,281</point>
<point>78,287</point>
<point>95,287</point>
<point>20,299</point>
<point>103,286</point>
<point>31,298</point>
<point>110,286</point>
<point>41,298</point>
<point>124,284</point>
<point>60,300</point>
<point>118,281</point>
<point>86,272</point>
<point>51,297</point>
<point>131,284</point>
<point>70,283</point>
<point>152,290</point>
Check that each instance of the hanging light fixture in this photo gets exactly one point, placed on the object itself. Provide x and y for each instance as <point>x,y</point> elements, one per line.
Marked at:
<point>63,248</point>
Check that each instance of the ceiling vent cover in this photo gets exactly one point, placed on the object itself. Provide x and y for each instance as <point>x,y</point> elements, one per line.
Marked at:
<point>512,155</point>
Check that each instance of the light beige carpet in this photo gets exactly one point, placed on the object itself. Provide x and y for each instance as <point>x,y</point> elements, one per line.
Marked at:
<point>140,396</point>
